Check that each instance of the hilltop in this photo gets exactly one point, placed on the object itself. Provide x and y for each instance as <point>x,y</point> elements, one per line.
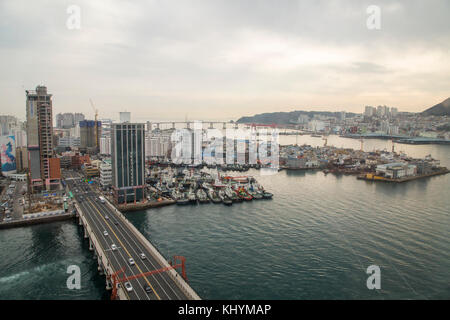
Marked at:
<point>441,109</point>
<point>287,117</point>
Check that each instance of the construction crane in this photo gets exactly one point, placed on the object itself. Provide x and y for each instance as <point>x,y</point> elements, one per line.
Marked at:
<point>116,280</point>
<point>96,126</point>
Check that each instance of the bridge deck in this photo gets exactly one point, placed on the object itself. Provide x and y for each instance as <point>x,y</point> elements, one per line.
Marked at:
<point>101,217</point>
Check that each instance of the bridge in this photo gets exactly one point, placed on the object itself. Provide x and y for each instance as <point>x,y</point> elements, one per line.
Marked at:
<point>188,124</point>
<point>133,267</point>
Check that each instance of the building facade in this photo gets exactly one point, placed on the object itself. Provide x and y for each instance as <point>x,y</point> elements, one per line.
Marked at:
<point>39,139</point>
<point>125,117</point>
<point>90,134</point>
<point>105,174</point>
<point>128,162</point>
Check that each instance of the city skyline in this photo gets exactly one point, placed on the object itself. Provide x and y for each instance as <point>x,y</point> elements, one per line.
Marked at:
<point>225,60</point>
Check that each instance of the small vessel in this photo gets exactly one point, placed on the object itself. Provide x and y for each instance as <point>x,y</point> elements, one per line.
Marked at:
<point>226,201</point>
<point>192,198</point>
<point>201,196</point>
<point>232,195</point>
<point>182,200</point>
<point>256,195</point>
<point>213,196</point>
<point>267,195</point>
<point>243,194</point>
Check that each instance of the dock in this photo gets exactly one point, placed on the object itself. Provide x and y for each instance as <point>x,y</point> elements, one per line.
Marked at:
<point>40,218</point>
<point>373,177</point>
<point>144,205</point>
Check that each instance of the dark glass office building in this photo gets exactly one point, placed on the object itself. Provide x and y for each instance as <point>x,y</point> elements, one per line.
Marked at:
<point>128,162</point>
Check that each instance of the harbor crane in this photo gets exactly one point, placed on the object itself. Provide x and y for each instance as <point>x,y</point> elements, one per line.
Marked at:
<point>96,125</point>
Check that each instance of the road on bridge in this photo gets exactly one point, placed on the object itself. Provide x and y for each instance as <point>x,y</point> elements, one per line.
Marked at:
<point>111,229</point>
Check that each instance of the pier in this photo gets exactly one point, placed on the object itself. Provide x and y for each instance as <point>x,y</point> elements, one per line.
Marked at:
<point>374,177</point>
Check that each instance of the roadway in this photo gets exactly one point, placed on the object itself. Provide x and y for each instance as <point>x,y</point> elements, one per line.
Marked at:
<point>110,228</point>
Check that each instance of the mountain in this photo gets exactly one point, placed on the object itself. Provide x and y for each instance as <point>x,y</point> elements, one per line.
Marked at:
<point>441,109</point>
<point>287,117</point>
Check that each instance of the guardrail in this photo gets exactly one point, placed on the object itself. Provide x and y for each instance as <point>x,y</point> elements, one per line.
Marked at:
<point>183,285</point>
<point>100,253</point>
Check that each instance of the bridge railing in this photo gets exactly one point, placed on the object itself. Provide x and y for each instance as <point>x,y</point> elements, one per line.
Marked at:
<point>183,285</point>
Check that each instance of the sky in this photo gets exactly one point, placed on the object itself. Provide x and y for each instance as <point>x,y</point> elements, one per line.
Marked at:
<point>223,59</point>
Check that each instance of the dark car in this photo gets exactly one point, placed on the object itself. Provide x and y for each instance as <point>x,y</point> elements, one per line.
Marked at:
<point>147,288</point>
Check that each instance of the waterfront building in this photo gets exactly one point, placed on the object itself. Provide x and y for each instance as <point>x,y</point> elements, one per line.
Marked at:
<point>128,162</point>
<point>158,145</point>
<point>396,170</point>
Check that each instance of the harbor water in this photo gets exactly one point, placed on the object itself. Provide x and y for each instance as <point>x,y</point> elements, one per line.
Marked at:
<point>314,240</point>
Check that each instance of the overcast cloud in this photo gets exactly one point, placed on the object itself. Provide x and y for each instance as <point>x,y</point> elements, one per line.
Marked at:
<point>214,59</point>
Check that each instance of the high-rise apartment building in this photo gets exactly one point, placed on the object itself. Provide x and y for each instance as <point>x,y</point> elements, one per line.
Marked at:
<point>39,139</point>
<point>68,120</point>
<point>105,145</point>
<point>128,162</point>
<point>21,158</point>
<point>90,135</point>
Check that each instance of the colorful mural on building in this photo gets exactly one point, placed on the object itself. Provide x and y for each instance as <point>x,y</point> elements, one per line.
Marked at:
<point>7,153</point>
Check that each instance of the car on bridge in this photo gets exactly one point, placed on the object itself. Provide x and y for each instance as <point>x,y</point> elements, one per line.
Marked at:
<point>105,233</point>
<point>113,247</point>
<point>143,257</point>
<point>147,288</point>
<point>131,261</point>
<point>128,286</point>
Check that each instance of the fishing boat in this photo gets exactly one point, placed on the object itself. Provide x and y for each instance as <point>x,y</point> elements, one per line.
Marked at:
<point>256,194</point>
<point>182,200</point>
<point>243,194</point>
<point>192,198</point>
<point>213,196</point>
<point>232,195</point>
<point>201,196</point>
<point>226,201</point>
<point>267,195</point>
